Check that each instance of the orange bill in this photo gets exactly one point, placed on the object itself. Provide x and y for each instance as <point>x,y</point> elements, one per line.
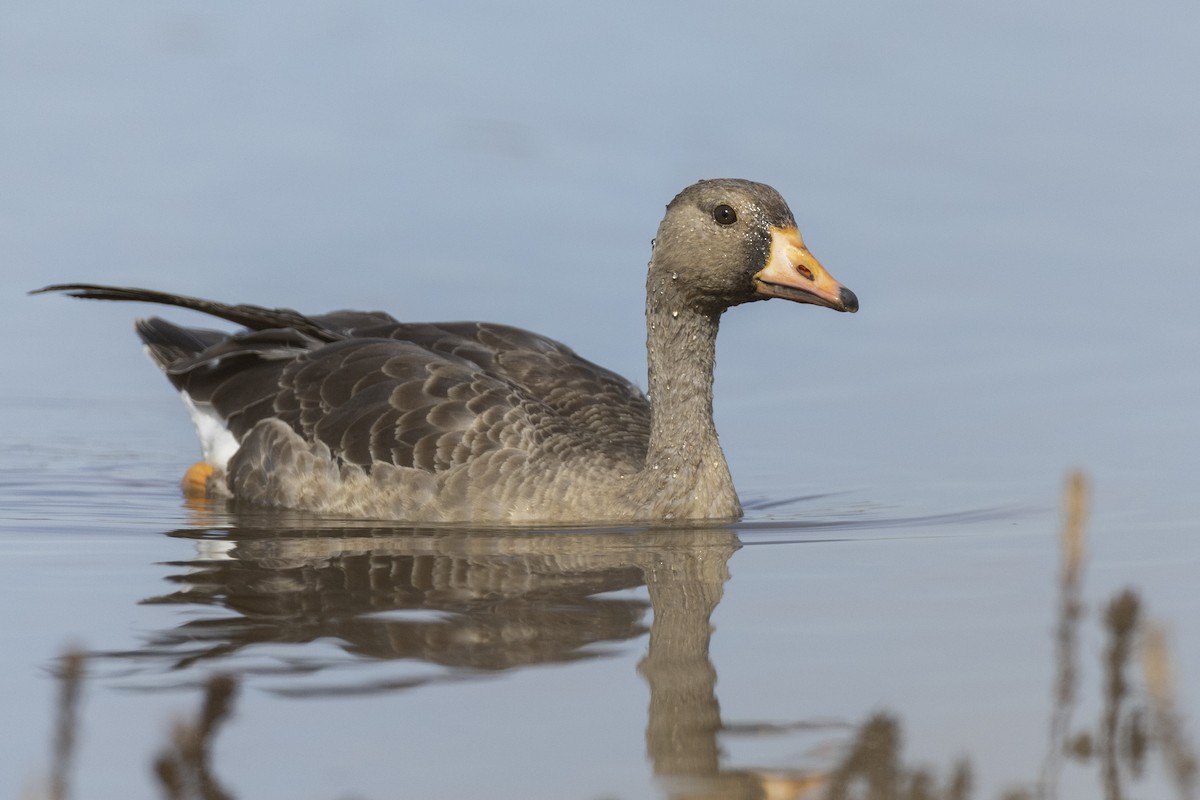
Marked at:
<point>794,274</point>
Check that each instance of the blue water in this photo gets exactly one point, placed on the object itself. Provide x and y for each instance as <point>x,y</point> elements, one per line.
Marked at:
<point>1011,192</point>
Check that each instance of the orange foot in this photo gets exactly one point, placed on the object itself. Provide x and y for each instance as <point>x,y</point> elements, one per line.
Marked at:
<point>195,480</point>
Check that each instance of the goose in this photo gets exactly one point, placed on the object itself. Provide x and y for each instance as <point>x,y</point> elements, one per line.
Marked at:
<point>357,414</point>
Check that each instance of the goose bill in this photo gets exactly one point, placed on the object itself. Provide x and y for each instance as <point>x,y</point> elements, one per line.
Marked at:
<point>794,274</point>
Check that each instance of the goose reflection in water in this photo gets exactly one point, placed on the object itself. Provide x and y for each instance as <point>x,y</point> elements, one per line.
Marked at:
<point>472,603</point>
<point>475,603</point>
<point>462,600</point>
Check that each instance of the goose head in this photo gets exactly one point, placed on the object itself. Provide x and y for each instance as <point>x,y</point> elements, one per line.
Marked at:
<point>726,242</point>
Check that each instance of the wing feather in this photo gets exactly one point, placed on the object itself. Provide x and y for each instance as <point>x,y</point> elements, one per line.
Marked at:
<point>424,395</point>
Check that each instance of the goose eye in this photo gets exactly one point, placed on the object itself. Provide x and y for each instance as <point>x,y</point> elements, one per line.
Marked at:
<point>724,214</point>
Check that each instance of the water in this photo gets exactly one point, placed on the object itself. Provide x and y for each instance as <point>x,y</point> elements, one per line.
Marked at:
<point>1011,192</point>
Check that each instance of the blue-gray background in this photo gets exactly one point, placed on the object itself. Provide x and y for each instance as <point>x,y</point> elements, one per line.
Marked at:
<point>1012,190</point>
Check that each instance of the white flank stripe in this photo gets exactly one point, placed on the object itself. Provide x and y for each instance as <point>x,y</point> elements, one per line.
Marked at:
<point>216,442</point>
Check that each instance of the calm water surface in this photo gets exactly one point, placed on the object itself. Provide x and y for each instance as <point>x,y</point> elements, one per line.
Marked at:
<point>711,662</point>
<point>1012,194</point>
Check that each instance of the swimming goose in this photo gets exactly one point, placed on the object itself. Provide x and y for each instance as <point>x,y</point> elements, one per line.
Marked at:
<point>358,414</point>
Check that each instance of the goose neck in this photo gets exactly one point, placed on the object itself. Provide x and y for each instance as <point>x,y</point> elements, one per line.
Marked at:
<point>681,350</point>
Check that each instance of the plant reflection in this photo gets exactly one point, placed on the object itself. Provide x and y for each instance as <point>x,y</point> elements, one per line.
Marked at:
<point>473,603</point>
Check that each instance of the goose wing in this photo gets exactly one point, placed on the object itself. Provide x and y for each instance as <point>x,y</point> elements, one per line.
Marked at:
<point>415,395</point>
<point>424,395</point>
